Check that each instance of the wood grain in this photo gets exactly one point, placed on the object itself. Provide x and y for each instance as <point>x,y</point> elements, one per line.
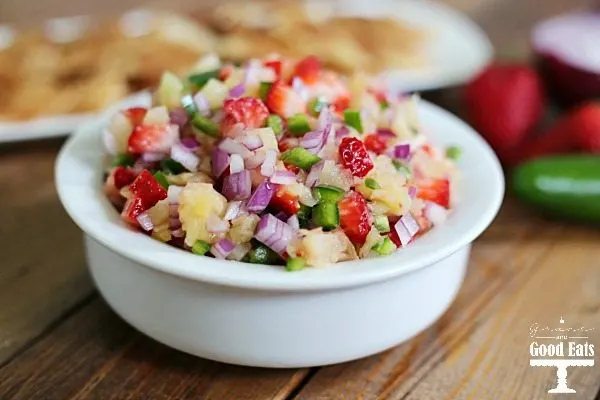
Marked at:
<point>43,272</point>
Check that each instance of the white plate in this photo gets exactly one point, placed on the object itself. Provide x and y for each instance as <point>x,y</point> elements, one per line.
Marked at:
<point>458,50</point>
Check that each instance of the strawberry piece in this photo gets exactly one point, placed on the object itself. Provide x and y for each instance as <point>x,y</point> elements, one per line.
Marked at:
<point>292,168</point>
<point>283,100</point>
<point>376,143</point>
<point>276,66</point>
<point>249,111</point>
<point>341,103</point>
<point>225,72</point>
<point>155,138</point>
<point>504,104</point>
<point>288,143</point>
<point>135,114</point>
<point>284,201</point>
<point>123,176</point>
<point>308,69</point>
<point>147,188</point>
<point>354,157</point>
<point>435,190</point>
<point>355,219</point>
<point>132,209</point>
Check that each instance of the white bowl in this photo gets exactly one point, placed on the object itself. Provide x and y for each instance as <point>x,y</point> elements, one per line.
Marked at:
<point>261,315</point>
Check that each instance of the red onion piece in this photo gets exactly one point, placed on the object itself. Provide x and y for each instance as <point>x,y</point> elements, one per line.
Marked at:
<point>300,88</point>
<point>153,157</point>
<point>386,133</point>
<point>274,233</point>
<point>313,175</point>
<point>219,162</point>
<point>255,159</point>
<point>237,91</point>
<point>222,249</point>
<point>202,104</point>
<point>294,222</point>
<point>412,192</point>
<point>406,227</point>
<point>179,116</point>
<point>178,233</point>
<point>283,177</point>
<point>402,151</point>
<point>233,210</point>
<point>325,123</point>
<point>268,166</point>
<point>342,132</point>
<point>239,252</point>
<point>186,158</point>
<point>145,221</point>
<point>252,142</point>
<point>173,193</point>
<point>311,141</point>
<point>230,146</point>
<point>237,186</point>
<point>141,165</point>
<point>190,143</point>
<point>236,164</point>
<point>174,223</point>
<point>435,213</point>
<point>215,224</point>
<point>281,216</point>
<point>261,197</point>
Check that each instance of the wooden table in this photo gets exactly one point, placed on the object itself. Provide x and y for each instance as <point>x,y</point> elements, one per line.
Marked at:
<point>59,340</point>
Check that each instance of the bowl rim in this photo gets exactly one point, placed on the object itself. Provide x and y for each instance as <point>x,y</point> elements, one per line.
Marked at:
<point>78,179</point>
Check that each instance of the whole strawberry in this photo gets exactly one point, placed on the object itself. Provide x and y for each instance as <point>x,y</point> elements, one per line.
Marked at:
<point>504,103</point>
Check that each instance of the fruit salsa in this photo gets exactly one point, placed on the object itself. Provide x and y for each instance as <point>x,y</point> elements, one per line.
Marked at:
<point>278,162</point>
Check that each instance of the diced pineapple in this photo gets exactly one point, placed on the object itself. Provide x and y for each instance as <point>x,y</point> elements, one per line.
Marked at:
<point>157,115</point>
<point>393,191</point>
<point>215,92</point>
<point>324,248</point>
<point>372,238</point>
<point>242,228</point>
<point>120,127</point>
<point>170,90</point>
<point>159,214</point>
<point>186,177</point>
<point>207,63</point>
<point>196,202</point>
<point>333,174</point>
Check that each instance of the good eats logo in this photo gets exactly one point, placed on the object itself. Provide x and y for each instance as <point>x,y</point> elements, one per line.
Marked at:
<point>560,347</point>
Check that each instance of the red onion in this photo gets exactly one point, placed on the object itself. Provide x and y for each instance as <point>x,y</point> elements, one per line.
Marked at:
<point>386,133</point>
<point>313,175</point>
<point>312,141</point>
<point>342,132</point>
<point>435,213</point>
<point>300,88</point>
<point>202,104</point>
<point>261,197</point>
<point>190,143</point>
<point>402,151</point>
<point>173,193</point>
<point>178,233</point>
<point>109,141</point>
<point>230,146</point>
<point>406,227</point>
<point>153,157</point>
<point>222,249</point>
<point>141,165</point>
<point>325,123</point>
<point>178,116</point>
<point>274,233</point>
<point>281,216</point>
<point>412,192</point>
<point>186,158</point>
<point>283,177</point>
<point>215,224</point>
<point>252,71</point>
<point>145,221</point>
<point>294,222</point>
<point>174,223</point>
<point>233,210</point>
<point>255,159</point>
<point>219,162</point>
<point>252,142</point>
<point>237,186</point>
<point>236,164</point>
<point>268,166</point>
<point>237,91</point>
<point>239,252</point>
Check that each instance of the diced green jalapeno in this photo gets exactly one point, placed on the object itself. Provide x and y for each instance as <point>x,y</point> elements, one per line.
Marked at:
<point>298,124</point>
<point>295,264</point>
<point>199,80</point>
<point>200,247</point>
<point>384,104</point>
<point>384,247</point>
<point>372,184</point>
<point>353,119</point>
<point>400,167</point>
<point>123,160</point>
<point>263,90</point>
<point>205,125</point>
<point>162,179</point>
<point>453,152</point>
<point>331,194</point>
<point>326,215</point>
<point>187,102</point>
<point>275,122</point>
<point>316,105</point>
<point>171,167</point>
<point>382,223</point>
<point>261,254</point>
<point>300,157</point>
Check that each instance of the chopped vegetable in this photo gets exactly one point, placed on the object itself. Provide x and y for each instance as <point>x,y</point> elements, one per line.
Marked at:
<point>295,264</point>
<point>201,79</point>
<point>171,166</point>
<point>200,247</point>
<point>263,90</point>
<point>205,125</point>
<point>353,119</point>
<point>453,152</point>
<point>298,124</point>
<point>382,223</point>
<point>261,254</point>
<point>328,193</point>
<point>384,247</point>
<point>123,160</point>
<point>275,122</point>
<point>326,215</point>
<point>300,157</point>
<point>274,233</point>
<point>372,184</point>
<point>162,179</point>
